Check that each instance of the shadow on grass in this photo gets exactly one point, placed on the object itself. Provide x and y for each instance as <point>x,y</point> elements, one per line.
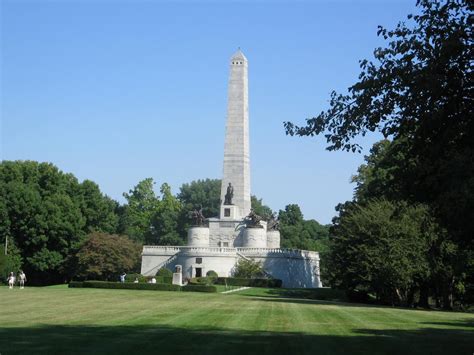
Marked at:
<point>162,339</point>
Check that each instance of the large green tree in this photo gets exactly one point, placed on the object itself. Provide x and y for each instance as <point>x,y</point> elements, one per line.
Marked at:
<point>419,92</point>
<point>46,214</point>
<point>104,257</point>
<point>165,221</point>
<point>298,233</point>
<point>382,247</point>
<point>205,193</point>
<point>136,215</point>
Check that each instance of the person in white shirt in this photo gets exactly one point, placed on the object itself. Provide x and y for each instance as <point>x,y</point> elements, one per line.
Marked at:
<point>22,279</point>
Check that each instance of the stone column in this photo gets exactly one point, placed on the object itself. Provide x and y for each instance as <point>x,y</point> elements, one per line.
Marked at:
<point>255,238</point>
<point>198,237</point>
<point>236,150</point>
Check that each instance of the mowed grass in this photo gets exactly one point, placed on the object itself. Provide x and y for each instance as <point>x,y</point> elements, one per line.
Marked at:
<point>58,320</point>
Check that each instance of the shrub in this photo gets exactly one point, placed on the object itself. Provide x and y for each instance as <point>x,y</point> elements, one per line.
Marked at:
<point>164,272</point>
<point>199,288</point>
<point>202,280</point>
<point>132,277</point>
<point>168,280</point>
<point>248,269</point>
<point>75,284</point>
<point>211,273</point>
<point>130,286</point>
<point>236,281</point>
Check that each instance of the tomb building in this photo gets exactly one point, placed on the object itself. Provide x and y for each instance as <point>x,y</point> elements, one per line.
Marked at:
<point>237,233</point>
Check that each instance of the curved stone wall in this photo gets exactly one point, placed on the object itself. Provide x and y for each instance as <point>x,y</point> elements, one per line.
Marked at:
<point>255,238</point>
<point>198,237</point>
<point>273,239</point>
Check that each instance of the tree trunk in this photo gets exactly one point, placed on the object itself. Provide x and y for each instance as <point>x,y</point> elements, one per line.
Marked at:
<point>424,296</point>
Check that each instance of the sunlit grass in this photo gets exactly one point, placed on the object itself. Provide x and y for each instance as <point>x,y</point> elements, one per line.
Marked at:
<point>61,320</point>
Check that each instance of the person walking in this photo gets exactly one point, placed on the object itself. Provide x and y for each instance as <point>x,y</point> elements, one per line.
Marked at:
<point>11,280</point>
<point>22,277</point>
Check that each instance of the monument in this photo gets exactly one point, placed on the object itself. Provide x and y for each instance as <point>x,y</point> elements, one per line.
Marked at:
<point>237,233</point>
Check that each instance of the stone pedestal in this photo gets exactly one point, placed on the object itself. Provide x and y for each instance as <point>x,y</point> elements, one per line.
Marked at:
<point>255,238</point>
<point>198,237</point>
<point>273,239</point>
<point>177,278</point>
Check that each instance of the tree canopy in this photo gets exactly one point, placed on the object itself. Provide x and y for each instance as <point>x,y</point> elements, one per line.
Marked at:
<point>418,92</point>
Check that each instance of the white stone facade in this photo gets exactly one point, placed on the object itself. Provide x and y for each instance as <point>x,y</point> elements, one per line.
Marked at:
<point>227,239</point>
<point>296,268</point>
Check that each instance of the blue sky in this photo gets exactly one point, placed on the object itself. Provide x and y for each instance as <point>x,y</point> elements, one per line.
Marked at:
<point>118,91</point>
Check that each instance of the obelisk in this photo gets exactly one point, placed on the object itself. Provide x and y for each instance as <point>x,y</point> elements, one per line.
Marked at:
<point>236,150</point>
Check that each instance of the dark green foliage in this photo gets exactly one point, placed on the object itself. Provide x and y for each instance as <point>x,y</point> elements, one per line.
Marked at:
<point>248,268</point>
<point>211,273</point>
<point>298,233</point>
<point>10,262</point>
<point>236,281</point>
<point>136,214</point>
<point>76,284</point>
<point>164,223</point>
<point>131,286</point>
<point>104,257</point>
<point>46,214</point>
<point>202,280</point>
<point>164,272</point>
<point>199,288</point>
<point>383,248</point>
<point>419,92</point>
<point>205,193</point>
<point>259,208</point>
<point>141,278</point>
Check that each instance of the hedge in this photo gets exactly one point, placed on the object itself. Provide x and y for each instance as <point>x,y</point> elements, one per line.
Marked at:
<point>75,284</point>
<point>132,277</point>
<point>131,286</point>
<point>199,288</point>
<point>203,280</point>
<point>236,281</point>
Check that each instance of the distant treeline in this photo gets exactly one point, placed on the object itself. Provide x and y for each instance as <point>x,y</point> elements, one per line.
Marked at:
<point>56,227</point>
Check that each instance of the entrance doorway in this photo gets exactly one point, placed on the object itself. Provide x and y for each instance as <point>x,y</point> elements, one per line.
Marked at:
<point>198,272</point>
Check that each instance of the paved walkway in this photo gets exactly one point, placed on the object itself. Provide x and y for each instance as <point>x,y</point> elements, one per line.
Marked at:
<point>237,289</point>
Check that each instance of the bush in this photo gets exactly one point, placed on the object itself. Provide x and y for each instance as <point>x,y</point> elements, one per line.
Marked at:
<point>165,272</point>
<point>168,280</point>
<point>132,277</point>
<point>130,286</point>
<point>236,281</point>
<point>211,273</point>
<point>248,269</point>
<point>202,280</point>
<point>75,284</point>
<point>199,288</point>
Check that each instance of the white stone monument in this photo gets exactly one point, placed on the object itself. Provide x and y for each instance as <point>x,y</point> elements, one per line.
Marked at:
<point>228,238</point>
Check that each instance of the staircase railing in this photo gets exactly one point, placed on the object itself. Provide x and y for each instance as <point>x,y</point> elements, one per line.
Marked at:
<point>162,264</point>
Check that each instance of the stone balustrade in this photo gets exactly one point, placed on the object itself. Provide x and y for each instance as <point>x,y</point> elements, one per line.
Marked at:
<point>250,252</point>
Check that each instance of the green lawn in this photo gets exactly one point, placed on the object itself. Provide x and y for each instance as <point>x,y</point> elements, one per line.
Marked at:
<point>57,320</point>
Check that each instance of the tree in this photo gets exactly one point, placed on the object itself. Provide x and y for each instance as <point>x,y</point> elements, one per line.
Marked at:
<point>205,193</point>
<point>104,257</point>
<point>46,214</point>
<point>259,208</point>
<point>100,211</point>
<point>383,248</point>
<point>136,214</point>
<point>298,233</point>
<point>420,90</point>
<point>165,221</point>
<point>248,268</point>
